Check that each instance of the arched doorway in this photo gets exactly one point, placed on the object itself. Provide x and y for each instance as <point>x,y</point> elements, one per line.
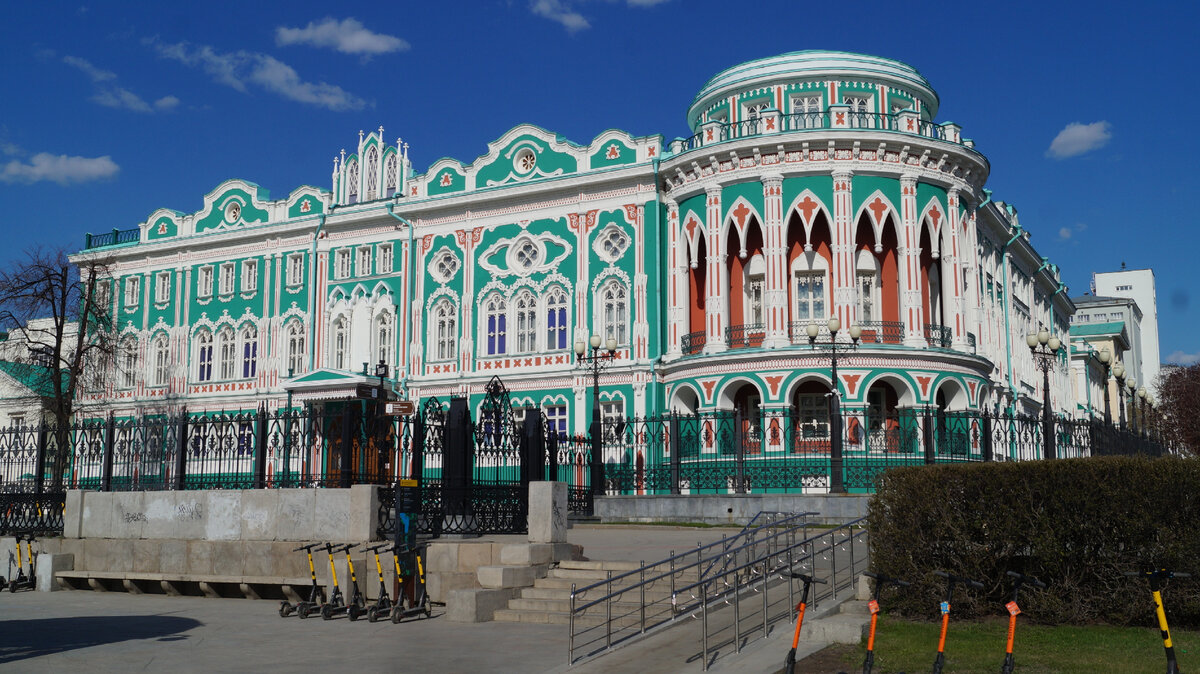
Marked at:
<point>810,418</point>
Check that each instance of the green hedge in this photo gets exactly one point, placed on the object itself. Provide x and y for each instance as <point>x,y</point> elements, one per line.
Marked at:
<point>1077,524</point>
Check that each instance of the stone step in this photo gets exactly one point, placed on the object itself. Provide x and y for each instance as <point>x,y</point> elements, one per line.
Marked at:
<point>563,618</point>
<point>857,608</point>
<point>614,566</point>
<point>837,628</point>
<point>541,592</point>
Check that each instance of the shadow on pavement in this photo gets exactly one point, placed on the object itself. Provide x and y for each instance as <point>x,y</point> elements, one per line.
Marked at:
<point>23,639</point>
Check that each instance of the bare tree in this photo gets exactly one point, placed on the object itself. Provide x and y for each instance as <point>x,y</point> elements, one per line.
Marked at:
<point>64,311</point>
<point>1178,406</point>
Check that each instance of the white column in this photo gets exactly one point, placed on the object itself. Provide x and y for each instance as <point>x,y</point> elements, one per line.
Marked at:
<point>716,301</point>
<point>845,308</point>
<point>952,262</point>
<point>677,298</point>
<point>776,254</point>
<point>911,310</point>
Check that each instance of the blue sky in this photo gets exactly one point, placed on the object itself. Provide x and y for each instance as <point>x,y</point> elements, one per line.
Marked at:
<point>1087,111</point>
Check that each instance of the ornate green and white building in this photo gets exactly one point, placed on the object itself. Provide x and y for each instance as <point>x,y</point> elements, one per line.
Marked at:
<point>812,185</point>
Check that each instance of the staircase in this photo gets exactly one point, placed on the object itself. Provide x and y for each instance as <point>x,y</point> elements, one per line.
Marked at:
<point>549,600</point>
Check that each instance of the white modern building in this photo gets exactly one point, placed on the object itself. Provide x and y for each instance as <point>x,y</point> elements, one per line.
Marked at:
<point>1138,285</point>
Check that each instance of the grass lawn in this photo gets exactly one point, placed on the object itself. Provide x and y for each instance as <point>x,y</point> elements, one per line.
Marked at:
<point>907,646</point>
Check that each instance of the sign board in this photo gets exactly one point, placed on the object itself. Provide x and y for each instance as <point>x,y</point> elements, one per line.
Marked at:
<point>368,391</point>
<point>400,408</point>
<point>408,497</point>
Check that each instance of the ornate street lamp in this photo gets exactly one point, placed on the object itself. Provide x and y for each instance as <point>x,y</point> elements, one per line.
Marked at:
<point>596,362</point>
<point>1141,394</point>
<point>1044,348</point>
<point>1132,384</point>
<point>1119,375</point>
<point>837,484</point>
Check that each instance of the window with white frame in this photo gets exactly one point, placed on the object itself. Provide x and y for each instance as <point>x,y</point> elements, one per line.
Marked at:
<point>445,266</point>
<point>385,258</point>
<point>204,356</point>
<point>227,353</point>
<point>495,311</point>
<point>556,419</point>
<point>868,287</point>
<point>806,112</point>
<point>204,282</point>
<point>383,338</point>
<point>810,295</point>
<point>364,260</point>
<point>859,107</point>
<point>342,263</point>
<point>612,416</point>
<point>755,109</point>
<point>249,352</point>
<point>295,347</point>
<point>162,286</point>
<point>225,284</point>
<point>295,269</point>
<point>132,291</point>
<point>390,174</point>
<point>129,361</point>
<point>754,291</point>
<point>556,319</point>
<point>614,302</point>
<point>161,361</point>
<point>352,181</point>
<point>338,345</point>
<point>103,297</point>
<point>526,315</point>
<point>812,415</point>
<point>249,276</point>
<point>372,177</point>
<point>445,330</point>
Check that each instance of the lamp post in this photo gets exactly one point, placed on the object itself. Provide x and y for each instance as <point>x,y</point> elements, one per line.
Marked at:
<point>596,362</point>
<point>1105,359</point>
<point>1119,375</point>
<point>836,481</point>
<point>1132,384</point>
<point>1141,394</point>
<point>1044,348</point>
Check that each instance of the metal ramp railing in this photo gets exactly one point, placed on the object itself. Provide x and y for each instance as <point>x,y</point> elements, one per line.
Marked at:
<point>711,584</point>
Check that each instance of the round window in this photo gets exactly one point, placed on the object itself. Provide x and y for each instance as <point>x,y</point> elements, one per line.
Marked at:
<point>233,212</point>
<point>525,161</point>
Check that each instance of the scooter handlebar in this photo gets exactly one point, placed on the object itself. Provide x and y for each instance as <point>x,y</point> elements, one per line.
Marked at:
<point>886,579</point>
<point>1027,579</point>
<point>310,546</point>
<point>1162,573</point>
<point>378,546</point>
<point>973,584</point>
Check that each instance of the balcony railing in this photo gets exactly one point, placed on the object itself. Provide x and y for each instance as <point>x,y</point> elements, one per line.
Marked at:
<point>938,335</point>
<point>743,336</point>
<point>807,121</point>
<point>692,343</point>
<point>873,332</point>
<point>117,236</point>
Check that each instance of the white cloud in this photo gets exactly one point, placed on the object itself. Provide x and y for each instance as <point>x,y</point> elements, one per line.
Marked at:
<point>560,12</point>
<point>236,69</point>
<point>90,70</point>
<point>348,36</point>
<point>118,97</point>
<point>166,103</point>
<point>61,169</point>
<point>1076,139</point>
<point>1185,359</point>
<point>1064,233</point>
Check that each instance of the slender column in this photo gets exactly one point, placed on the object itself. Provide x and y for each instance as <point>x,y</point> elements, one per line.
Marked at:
<point>952,290</point>
<point>911,309</point>
<point>677,299</point>
<point>776,254</point>
<point>844,306</point>
<point>716,301</point>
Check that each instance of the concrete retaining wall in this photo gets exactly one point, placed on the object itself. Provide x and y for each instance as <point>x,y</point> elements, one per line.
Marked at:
<point>730,509</point>
<point>225,515</point>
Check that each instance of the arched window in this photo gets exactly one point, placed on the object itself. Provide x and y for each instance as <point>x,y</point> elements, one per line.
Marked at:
<point>614,316</point>
<point>249,352</point>
<point>162,361</point>
<point>754,290</point>
<point>526,308</point>
<point>495,310</point>
<point>129,362</point>
<point>556,319</point>
<point>868,287</point>
<point>445,330</point>
<point>204,356</point>
<point>390,174</point>
<point>352,181</point>
<point>372,172</point>
<point>383,338</point>
<point>338,345</point>
<point>295,347</point>
<point>227,349</point>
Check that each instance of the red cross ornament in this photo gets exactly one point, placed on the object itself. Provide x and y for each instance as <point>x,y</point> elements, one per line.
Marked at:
<point>807,207</point>
<point>613,152</point>
<point>878,208</point>
<point>305,206</point>
<point>740,214</point>
<point>445,179</point>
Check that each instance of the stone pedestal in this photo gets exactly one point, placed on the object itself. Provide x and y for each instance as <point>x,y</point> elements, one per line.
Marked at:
<point>48,565</point>
<point>547,512</point>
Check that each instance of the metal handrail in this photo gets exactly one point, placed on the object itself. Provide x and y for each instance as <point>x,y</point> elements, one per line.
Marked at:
<point>750,529</point>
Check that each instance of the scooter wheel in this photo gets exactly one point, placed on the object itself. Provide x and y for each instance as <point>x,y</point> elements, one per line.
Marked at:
<point>372,615</point>
<point>397,614</point>
<point>353,612</point>
<point>12,586</point>
<point>285,610</point>
<point>326,612</point>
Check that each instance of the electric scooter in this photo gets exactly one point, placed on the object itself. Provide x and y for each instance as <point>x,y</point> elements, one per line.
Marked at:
<point>22,581</point>
<point>1019,580</point>
<point>335,597</point>
<point>789,663</point>
<point>384,603</point>
<point>287,608</point>
<point>355,606</point>
<point>880,581</point>
<point>419,604</point>
<point>945,608</point>
<point>1158,579</point>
